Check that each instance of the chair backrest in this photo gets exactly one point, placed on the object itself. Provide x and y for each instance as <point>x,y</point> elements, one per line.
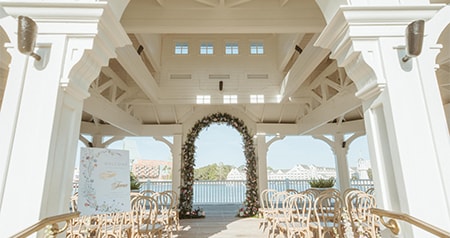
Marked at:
<point>347,191</point>
<point>145,213</point>
<point>291,191</point>
<point>299,208</point>
<point>278,199</point>
<point>327,210</point>
<point>83,226</point>
<point>116,224</point>
<point>370,191</point>
<point>147,192</point>
<point>332,190</point>
<point>174,196</point>
<point>312,193</point>
<point>348,198</point>
<point>164,200</point>
<point>266,197</point>
<point>359,207</point>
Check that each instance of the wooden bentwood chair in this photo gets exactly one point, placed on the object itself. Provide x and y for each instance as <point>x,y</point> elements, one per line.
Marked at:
<point>297,211</point>
<point>327,215</point>
<point>266,208</point>
<point>145,218</point>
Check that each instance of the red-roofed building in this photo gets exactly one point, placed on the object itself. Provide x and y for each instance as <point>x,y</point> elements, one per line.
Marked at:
<point>152,169</point>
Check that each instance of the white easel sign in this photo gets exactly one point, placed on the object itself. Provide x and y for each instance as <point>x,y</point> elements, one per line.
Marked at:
<point>104,185</point>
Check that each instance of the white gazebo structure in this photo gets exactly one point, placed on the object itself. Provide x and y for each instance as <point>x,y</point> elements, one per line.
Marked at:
<point>332,69</point>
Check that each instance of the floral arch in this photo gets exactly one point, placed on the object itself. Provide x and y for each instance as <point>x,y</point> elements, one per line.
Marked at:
<point>188,152</point>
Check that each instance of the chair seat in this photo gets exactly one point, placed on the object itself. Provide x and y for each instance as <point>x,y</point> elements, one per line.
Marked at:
<point>316,225</point>
<point>151,228</point>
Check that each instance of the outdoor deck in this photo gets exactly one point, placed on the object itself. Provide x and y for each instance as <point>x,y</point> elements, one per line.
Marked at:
<point>220,221</point>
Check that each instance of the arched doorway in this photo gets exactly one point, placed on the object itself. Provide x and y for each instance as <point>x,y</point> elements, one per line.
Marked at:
<point>188,161</point>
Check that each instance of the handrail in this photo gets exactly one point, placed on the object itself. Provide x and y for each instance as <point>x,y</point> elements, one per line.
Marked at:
<point>394,227</point>
<point>49,221</point>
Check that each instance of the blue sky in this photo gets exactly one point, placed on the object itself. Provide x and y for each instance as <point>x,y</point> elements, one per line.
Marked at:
<point>220,143</point>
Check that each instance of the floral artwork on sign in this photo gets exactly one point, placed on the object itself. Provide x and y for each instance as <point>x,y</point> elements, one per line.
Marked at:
<point>104,185</point>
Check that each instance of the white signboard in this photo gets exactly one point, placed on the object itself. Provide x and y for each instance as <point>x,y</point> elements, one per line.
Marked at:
<point>104,185</point>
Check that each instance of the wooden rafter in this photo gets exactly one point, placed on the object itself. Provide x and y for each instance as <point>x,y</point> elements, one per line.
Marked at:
<point>99,107</point>
<point>283,2</point>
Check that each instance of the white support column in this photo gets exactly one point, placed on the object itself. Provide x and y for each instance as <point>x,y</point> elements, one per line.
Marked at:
<point>262,149</point>
<point>97,141</point>
<point>262,162</point>
<point>175,149</point>
<point>405,121</point>
<point>340,148</point>
<point>176,162</point>
<point>40,120</point>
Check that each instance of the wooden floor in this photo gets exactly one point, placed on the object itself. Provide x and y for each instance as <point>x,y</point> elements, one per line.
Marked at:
<point>220,222</point>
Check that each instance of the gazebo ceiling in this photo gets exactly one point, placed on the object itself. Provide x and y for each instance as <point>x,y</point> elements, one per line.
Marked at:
<point>298,81</point>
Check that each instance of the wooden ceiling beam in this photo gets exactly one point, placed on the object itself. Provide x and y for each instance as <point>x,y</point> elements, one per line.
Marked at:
<point>310,58</point>
<point>101,108</point>
<point>343,128</point>
<point>132,63</point>
<point>341,103</point>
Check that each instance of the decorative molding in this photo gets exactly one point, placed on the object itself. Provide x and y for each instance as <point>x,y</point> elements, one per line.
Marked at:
<point>5,57</point>
<point>275,138</point>
<point>112,140</point>
<point>329,8</point>
<point>75,91</point>
<point>371,90</point>
<point>85,141</point>
<point>329,142</point>
<point>93,29</point>
<point>353,37</point>
<point>167,142</point>
<point>435,26</point>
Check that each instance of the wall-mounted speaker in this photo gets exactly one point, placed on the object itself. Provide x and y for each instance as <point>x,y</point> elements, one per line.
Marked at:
<point>414,39</point>
<point>26,36</point>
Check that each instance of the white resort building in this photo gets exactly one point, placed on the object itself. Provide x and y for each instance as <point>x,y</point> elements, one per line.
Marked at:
<point>97,71</point>
<point>307,172</point>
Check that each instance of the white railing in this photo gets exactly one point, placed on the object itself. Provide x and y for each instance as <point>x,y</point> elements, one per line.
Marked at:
<point>233,191</point>
<point>211,192</point>
<point>361,184</point>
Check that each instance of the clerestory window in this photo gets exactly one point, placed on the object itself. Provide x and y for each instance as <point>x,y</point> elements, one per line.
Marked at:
<point>257,48</point>
<point>207,48</point>
<point>231,48</point>
<point>181,48</point>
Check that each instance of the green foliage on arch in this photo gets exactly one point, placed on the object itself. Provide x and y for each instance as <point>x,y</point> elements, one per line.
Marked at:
<point>188,151</point>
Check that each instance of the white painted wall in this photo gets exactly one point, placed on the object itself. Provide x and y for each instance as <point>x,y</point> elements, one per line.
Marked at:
<point>237,66</point>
